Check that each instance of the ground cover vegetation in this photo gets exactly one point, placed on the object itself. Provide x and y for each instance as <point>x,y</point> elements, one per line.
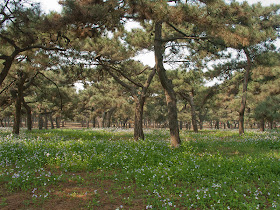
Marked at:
<point>43,57</point>
<point>107,169</point>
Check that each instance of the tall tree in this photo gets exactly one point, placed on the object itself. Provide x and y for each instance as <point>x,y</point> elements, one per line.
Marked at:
<point>113,57</point>
<point>253,27</point>
<point>190,86</point>
<point>137,90</point>
<point>264,88</point>
<point>24,28</point>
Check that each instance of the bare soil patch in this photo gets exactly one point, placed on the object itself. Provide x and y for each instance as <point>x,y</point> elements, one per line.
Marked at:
<point>90,191</point>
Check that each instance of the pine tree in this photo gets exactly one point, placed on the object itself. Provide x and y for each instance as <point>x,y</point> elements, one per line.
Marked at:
<point>25,29</point>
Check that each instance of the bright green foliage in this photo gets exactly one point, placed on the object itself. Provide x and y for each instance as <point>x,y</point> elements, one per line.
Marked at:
<point>101,96</point>
<point>268,109</point>
<point>210,170</point>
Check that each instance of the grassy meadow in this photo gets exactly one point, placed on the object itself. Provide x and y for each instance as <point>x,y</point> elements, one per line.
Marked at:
<point>106,169</point>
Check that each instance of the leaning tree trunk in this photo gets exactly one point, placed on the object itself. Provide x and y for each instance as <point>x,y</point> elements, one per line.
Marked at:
<point>190,100</point>
<point>19,98</point>
<point>244,92</point>
<point>139,107</point>
<point>167,86</point>
<point>7,65</point>
<point>28,115</point>
<point>201,117</point>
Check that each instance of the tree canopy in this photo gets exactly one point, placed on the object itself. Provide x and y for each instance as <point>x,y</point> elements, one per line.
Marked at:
<point>43,56</point>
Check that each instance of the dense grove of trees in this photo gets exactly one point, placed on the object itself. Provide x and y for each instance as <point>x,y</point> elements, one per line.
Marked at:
<point>43,56</point>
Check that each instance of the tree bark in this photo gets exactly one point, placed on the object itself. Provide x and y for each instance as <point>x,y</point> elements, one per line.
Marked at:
<point>193,113</point>
<point>104,119</point>
<point>88,123</point>
<point>139,107</point>
<point>217,124</point>
<point>271,124</point>
<point>189,98</point>
<point>40,121</point>
<point>51,120</point>
<point>262,124</point>
<point>7,65</point>
<point>93,122</point>
<point>181,125</point>
<point>200,124</point>
<point>244,92</point>
<point>18,103</point>
<point>46,119</point>
<point>28,115</point>
<point>139,94</point>
<point>228,124</point>
<point>138,119</point>
<point>167,86</point>
<point>109,116</point>
<point>57,122</point>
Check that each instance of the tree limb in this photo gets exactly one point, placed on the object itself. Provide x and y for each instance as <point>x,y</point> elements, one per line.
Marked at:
<point>130,88</point>
<point>61,105</point>
<point>176,29</point>
<point>41,47</point>
<point>12,42</point>
<point>125,76</point>
<point>148,82</point>
<point>184,35</point>
<point>7,86</point>
<point>30,81</point>
<point>4,57</point>
<point>142,71</point>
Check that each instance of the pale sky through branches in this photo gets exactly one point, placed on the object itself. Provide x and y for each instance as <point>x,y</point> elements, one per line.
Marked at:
<point>146,58</point>
<point>49,5</point>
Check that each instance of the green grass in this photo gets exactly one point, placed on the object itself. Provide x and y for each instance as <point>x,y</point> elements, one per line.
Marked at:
<point>211,170</point>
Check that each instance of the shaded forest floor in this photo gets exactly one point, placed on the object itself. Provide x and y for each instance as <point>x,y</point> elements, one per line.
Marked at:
<point>106,169</point>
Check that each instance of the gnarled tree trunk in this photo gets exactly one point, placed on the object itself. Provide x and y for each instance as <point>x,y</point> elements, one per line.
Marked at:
<point>138,119</point>
<point>40,121</point>
<point>193,113</point>
<point>18,103</point>
<point>189,98</point>
<point>167,86</point>
<point>46,119</point>
<point>108,116</point>
<point>28,115</point>
<point>262,124</point>
<point>57,122</point>
<point>244,92</point>
<point>51,120</point>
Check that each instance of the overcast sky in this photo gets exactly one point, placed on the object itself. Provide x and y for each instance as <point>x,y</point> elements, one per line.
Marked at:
<point>49,5</point>
<point>147,59</point>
